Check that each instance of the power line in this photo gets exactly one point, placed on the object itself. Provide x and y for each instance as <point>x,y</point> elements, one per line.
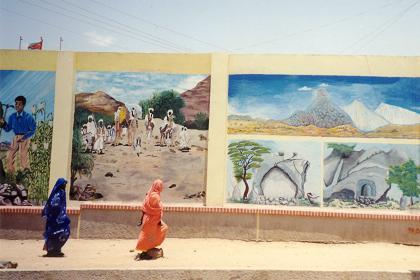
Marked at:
<point>117,29</point>
<point>317,27</point>
<point>102,27</point>
<point>387,24</point>
<point>127,27</point>
<point>160,26</point>
<point>49,24</point>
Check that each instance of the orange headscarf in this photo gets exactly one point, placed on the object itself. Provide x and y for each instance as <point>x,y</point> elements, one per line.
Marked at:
<point>151,204</point>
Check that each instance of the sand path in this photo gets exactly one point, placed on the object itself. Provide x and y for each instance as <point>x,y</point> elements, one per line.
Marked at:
<point>217,254</point>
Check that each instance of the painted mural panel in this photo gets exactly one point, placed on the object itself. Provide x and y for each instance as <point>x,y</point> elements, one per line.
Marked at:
<point>274,172</point>
<point>338,106</point>
<point>131,128</point>
<point>372,175</point>
<point>26,117</point>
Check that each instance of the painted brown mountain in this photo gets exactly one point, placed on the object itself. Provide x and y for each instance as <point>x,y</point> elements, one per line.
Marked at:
<point>196,100</point>
<point>98,102</point>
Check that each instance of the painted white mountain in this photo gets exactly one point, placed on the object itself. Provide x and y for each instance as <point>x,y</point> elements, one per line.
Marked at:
<point>397,115</point>
<point>363,118</point>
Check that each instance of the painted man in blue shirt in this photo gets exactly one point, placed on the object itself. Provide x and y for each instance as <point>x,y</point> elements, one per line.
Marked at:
<point>23,125</point>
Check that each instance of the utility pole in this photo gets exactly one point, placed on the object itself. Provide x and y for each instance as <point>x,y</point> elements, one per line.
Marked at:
<point>20,42</point>
<point>61,40</point>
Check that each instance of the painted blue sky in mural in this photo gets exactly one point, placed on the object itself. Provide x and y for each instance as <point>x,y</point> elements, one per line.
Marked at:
<point>130,87</point>
<point>36,86</point>
<point>279,96</point>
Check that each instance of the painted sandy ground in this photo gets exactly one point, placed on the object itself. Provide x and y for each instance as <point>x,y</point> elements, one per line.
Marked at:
<point>133,175</point>
<point>279,128</point>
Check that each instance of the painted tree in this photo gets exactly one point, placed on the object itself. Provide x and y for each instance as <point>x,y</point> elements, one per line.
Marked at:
<point>405,176</point>
<point>162,101</point>
<point>201,121</point>
<point>244,156</point>
<point>342,149</point>
<point>81,163</point>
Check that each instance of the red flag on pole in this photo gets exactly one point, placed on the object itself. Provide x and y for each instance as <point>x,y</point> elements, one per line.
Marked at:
<point>36,46</point>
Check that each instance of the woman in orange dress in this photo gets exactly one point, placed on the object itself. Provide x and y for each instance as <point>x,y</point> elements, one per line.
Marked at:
<point>153,229</point>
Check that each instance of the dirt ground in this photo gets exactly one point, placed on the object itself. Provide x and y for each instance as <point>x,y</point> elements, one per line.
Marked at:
<point>133,174</point>
<point>207,253</point>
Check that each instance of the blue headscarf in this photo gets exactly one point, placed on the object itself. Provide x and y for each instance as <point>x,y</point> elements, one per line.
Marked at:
<point>57,189</point>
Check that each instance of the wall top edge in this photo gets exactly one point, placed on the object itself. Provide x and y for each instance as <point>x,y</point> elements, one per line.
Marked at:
<point>321,55</point>
<point>28,60</point>
<point>308,212</point>
<point>223,53</point>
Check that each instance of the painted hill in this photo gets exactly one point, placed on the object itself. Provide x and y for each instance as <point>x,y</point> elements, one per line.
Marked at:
<point>397,115</point>
<point>98,102</point>
<point>240,117</point>
<point>363,118</point>
<point>196,100</point>
<point>322,112</point>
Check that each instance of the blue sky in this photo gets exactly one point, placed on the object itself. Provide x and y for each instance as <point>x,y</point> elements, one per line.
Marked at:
<point>36,86</point>
<point>278,96</point>
<point>131,87</point>
<point>386,27</point>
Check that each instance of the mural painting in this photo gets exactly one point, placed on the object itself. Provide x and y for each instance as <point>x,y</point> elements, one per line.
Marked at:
<point>274,172</point>
<point>26,126</point>
<point>372,175</point>
<point>131,128</point>
<point>336,106</point>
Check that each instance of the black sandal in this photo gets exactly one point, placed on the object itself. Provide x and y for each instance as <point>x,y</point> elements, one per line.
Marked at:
<point>143,256</point>
<point>53,254</point>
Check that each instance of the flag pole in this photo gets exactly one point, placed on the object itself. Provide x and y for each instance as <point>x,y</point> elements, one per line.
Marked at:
<point>61,40</point>
<point>20,42</point>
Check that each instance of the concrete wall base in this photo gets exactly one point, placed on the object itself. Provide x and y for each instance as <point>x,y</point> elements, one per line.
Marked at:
<point>326,226</point>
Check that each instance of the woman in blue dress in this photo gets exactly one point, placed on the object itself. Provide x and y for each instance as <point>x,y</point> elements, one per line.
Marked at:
<point>57,228</point>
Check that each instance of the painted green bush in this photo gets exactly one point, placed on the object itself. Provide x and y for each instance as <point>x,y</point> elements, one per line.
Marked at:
<point>40,157</point>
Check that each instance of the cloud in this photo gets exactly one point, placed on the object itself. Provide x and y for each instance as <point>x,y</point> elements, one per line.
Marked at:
<point>115,91</point>
<point>304,88</point>
<point>323,85</point>
<point>189,83</point>
<point>134,86</point>
<point>99,40</point>
<point>130,96</point>
<point>88,76</point>
<point>250,108</point>
<point>82,86</point>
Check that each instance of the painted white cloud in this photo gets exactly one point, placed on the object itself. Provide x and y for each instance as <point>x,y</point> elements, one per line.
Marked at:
<point>88,76</point>
<point>100,40</point>
<point>304,88</point>
<point>249,108</point>
<point>189,83</point>
<point>115,92</point>
<point>133,87</point>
